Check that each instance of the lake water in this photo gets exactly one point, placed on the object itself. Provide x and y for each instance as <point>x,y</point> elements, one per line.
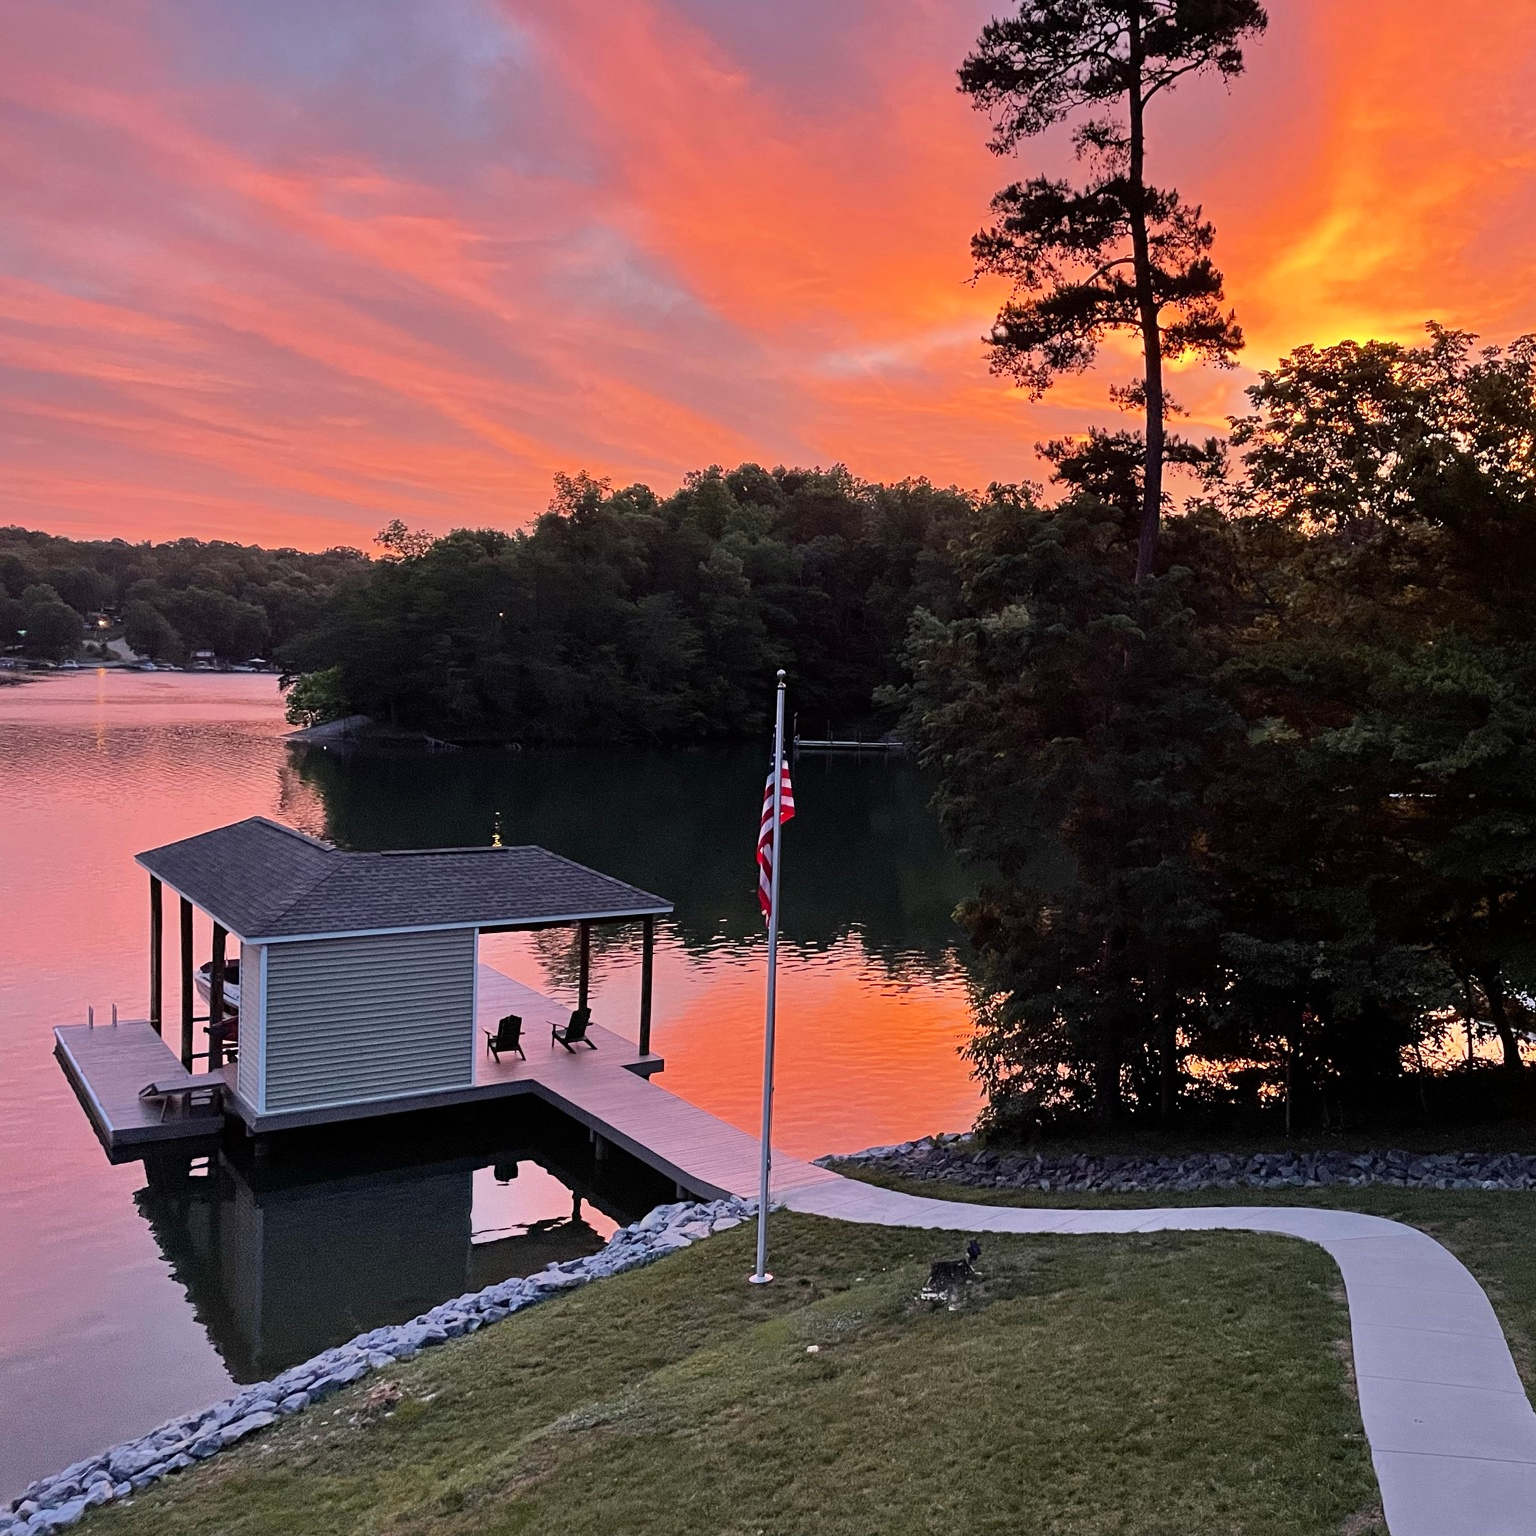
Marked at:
<point>131,1293</point>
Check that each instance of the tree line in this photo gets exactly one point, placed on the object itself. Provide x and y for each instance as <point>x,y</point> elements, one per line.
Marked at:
<point>620,615</point>
<point>167,600</point>
<point>1260,826</point>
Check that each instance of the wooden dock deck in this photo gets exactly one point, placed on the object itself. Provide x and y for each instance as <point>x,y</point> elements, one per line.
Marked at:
<point>607,1089</point>
<point>107,1065</point>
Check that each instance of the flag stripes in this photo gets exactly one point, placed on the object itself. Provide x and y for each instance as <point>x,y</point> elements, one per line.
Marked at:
<point>765,835</point>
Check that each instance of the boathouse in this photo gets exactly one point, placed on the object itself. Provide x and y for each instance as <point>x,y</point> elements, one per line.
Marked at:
<point>359,971</point>
<point>362,997</point>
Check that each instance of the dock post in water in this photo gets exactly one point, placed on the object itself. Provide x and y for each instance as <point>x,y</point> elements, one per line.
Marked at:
<point>156,952</point>
<point>186,983</point>
<point>216,1000</point>
<point>586,963</point>
<point>647,971</point>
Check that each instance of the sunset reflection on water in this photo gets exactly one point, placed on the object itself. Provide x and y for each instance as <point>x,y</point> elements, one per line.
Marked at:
<point>98,1340</point>
<point>100,766</point>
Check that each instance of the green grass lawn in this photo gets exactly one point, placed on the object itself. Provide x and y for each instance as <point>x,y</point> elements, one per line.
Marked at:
<point>1169,1383</point>
<point>1492,1232</point>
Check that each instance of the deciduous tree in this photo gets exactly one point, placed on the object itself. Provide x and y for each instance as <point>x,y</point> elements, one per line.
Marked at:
<point>149,633</point>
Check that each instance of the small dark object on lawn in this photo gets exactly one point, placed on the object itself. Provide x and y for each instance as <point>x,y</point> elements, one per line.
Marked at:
<point>945,1278</point>
<point>973,1249</point>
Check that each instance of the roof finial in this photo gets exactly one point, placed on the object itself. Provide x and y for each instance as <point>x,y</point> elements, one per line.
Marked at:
<point>496,832</point>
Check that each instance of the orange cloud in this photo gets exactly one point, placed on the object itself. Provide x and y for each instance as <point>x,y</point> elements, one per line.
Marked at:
<point>265,290</point>
<point>1417,200</point>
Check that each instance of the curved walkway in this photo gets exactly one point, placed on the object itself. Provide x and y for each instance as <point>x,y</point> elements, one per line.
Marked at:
<point>1452,1433</point>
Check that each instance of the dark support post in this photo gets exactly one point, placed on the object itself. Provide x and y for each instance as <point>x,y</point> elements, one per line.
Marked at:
<point>156,946</point>
<point>186,983</point>
<point>647,967</point>
<point>216,1000</point>
<point>586,963</point>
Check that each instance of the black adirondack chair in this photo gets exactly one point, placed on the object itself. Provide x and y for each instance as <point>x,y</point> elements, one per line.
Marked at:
<point>574,1033</point>
<point>508,1036</point>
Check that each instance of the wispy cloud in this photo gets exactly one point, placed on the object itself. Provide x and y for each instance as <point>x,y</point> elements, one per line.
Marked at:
<point>284,272</point>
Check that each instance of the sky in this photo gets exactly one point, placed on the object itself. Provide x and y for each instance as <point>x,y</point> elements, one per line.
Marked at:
<point>283,272</point>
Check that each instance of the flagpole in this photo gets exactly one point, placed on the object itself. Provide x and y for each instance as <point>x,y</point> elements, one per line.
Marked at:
<point>761,1275</point>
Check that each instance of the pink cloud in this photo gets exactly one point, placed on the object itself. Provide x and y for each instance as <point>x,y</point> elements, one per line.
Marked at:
<point>290,281</point>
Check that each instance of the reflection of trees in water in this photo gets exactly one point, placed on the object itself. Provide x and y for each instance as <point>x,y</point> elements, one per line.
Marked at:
<point>559,951</point>
<point>559,954</point>
<point>865,859</point>
<point>298,802</point>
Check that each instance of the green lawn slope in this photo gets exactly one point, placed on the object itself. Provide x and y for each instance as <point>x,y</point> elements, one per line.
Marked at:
<point>1492,1232</point>
<point>1173,1383</point>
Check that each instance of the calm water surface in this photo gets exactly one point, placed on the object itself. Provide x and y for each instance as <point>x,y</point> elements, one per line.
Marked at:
<point>131,1293</point>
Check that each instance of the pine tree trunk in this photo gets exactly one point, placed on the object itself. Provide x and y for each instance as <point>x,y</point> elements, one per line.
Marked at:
<point>1106,1088</point>
<point>1168,1061</point>
<point>1146,304</point>
<point>1493,989</point>
<point>1106,1070</point>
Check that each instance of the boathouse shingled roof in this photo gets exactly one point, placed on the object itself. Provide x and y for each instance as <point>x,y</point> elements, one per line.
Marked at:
<point>262,880</point>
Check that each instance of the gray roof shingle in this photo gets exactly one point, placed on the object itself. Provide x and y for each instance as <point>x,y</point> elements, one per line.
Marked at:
<point>263,880</point>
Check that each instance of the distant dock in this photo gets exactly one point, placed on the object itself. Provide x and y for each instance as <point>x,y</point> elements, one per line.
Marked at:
<point>851,744</point>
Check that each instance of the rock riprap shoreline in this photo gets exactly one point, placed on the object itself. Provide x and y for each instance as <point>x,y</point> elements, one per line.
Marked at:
<point>958,1159</point>
<point>53,1503</point>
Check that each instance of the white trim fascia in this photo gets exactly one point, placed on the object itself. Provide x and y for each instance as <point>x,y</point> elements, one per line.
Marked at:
<point>261,1039</point>
<point>554,920</point>
<point>176,890</point>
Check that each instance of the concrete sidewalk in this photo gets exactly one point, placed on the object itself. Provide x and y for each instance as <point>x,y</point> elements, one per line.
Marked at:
<point>1452,1433</point>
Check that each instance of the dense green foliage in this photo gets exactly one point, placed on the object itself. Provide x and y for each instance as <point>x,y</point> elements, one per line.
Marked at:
<point>621,616</point>
<point>1271,812</point>
<point>171,599</point>
<point>1257,828</point>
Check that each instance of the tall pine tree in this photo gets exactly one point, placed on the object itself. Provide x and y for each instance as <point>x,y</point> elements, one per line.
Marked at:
<point>1116,253</point>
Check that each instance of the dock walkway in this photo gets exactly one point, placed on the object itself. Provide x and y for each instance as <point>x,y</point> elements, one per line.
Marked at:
<point>107,1065</point>
<point>608,1090</point>
<point>692,1147</point>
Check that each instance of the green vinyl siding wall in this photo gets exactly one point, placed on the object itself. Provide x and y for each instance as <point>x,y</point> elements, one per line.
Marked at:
<point>349,1020</point>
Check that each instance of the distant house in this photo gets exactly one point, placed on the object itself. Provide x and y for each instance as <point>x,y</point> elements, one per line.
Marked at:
<point>204,658</point>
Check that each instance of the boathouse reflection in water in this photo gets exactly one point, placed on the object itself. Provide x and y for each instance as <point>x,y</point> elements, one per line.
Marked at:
<point>284,1260</point>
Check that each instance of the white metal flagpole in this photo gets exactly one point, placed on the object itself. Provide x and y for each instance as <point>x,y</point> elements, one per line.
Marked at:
<point>761,1276</point>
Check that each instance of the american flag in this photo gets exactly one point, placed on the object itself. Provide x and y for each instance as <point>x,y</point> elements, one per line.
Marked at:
<point>765,835</point>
